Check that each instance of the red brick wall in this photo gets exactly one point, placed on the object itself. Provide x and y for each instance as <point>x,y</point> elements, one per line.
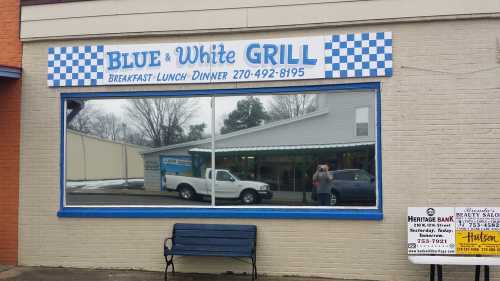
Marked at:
<point>9,168</point>
<point>10,52</point>
<point>10,105</point>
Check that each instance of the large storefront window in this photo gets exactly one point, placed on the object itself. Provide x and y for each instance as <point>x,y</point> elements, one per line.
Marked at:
<point>271,149</point>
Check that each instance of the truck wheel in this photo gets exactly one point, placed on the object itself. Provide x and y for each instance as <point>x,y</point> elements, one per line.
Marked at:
<point>249,197</point>
<point>186,192</point>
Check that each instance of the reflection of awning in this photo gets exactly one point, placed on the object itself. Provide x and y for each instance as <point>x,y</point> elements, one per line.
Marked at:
<point>281,147</point>
<point>10,72</point>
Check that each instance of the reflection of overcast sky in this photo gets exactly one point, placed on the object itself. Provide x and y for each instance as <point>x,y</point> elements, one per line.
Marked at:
<point>202,114</point>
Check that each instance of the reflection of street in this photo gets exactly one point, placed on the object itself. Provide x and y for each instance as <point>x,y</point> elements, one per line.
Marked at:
<point>126,199</point>
<point>141,197</point>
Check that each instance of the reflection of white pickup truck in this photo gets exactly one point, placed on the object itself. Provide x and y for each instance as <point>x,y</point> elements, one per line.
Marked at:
<point>226,186</point>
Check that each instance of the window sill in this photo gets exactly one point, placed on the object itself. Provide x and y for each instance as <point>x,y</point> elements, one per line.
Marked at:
<point>141,212</point>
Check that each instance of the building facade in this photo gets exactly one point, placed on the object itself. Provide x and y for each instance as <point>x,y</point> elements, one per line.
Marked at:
<point>436,126</point>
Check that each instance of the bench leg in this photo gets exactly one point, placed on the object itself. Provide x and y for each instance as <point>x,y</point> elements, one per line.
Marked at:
<point>486,273</point>
<point>440,272</point>
<point>478,273</point>
<point>169,262</point>
<point>254,268</point>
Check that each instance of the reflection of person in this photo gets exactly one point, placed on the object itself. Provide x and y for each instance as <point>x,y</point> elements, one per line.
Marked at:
<point>324,180</point>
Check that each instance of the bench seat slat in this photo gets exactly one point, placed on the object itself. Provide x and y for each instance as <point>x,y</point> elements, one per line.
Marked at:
<point>211,248</point>
<point>211,253</point>
<point>237,227</point>
<point>214,234</point>
<point>179,240</point>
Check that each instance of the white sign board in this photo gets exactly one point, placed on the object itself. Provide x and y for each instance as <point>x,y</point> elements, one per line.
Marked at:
<point>431,231</point>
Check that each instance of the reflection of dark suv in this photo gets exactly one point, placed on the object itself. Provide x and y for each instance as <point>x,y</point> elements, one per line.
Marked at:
<point>351,186</point>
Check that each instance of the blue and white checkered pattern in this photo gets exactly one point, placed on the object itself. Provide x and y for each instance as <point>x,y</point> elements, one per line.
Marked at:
<point>75,66</point>
<point>366,54</point>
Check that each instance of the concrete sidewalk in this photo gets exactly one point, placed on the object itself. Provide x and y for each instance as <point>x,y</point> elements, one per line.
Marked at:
<point>76,274</point>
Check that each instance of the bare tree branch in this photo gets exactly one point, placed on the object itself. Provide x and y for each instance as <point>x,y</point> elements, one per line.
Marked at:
<point>162,120</point>
<point>291,106</point>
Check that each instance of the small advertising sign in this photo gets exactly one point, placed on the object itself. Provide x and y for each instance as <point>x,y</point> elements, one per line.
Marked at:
<point>431,231</point>
<point>449,231</point>
<point>478,231</point>
<point>174,165</point>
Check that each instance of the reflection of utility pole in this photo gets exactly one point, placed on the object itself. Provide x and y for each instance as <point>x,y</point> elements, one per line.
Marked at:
<point>125,152</point>
<point>214,172</point>
<point>163,135</point>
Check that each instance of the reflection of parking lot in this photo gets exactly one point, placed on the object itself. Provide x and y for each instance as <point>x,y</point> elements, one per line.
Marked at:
<point>141,197</point>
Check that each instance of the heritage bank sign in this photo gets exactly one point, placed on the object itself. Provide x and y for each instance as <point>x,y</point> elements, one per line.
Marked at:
<point>367,54</point>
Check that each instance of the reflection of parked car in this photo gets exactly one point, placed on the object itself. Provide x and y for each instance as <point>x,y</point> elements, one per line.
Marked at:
<point>351,186</point>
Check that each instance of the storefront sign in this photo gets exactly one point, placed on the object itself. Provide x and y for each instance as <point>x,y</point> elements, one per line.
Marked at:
<point>431,231</point>
<point>366,54</point>
<point>461,230</point>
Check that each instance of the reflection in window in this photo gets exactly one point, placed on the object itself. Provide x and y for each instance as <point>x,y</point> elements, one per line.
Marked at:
<point>224,176</point>
<point>279,141</point>
<point>362,117</point>
<point>157,151</point>
<point>105,142</point>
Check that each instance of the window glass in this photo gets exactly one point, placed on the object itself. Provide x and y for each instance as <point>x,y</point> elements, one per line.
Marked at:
<point>362,175</point>
<point>362,121</point>
<point>271,150</point>
<point>224,176</point>
<point>136,151</point>
<point>343,176</point>
<point>274,143</point>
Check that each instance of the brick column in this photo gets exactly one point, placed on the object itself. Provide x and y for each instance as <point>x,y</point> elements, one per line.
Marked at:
<point>10,106</point>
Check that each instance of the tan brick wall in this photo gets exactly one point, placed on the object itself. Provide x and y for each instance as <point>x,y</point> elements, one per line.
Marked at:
<point>440,146</point>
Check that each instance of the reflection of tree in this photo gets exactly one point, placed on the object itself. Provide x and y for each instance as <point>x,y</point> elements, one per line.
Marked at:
<point>161,119</point>
<point>196,132</point>
<point>108,126</point>
<point>249,113</point>
<point>291,106</point>
<point>83,121</point>
<point>93,121</point>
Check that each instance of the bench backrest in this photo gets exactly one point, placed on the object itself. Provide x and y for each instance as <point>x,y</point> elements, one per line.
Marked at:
<point>226,238</point>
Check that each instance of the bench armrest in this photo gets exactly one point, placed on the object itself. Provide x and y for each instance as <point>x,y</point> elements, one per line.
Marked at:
<point>165,242</point>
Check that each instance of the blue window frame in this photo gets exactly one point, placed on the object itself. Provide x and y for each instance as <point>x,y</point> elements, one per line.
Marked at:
<point>375,213</point>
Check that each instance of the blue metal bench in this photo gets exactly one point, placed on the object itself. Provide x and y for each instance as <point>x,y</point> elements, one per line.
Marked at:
<point>217,240</point>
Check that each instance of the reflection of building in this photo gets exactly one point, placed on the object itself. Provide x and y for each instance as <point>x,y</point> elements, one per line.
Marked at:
<point>92,158</point>
<point>285,153</point>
